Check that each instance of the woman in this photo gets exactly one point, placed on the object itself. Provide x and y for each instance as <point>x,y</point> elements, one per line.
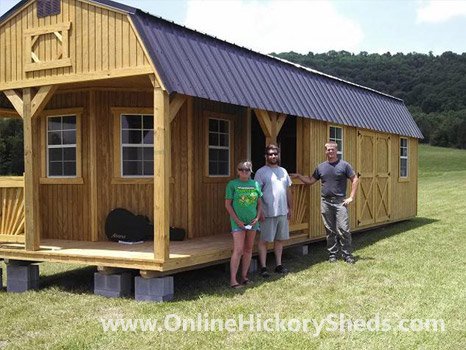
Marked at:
<point>243,203</point>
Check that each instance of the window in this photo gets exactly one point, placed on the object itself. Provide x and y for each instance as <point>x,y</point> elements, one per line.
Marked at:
<point>137,145</point>
<point>219,147</point>
<point>336,135</point>
<point>404,164</point>
<point>62,146</point>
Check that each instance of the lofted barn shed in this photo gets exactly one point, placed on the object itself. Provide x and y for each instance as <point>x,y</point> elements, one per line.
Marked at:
<point>124,109</point>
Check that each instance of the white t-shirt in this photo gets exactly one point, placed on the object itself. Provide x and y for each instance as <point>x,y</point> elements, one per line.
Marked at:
<point>273,183</point>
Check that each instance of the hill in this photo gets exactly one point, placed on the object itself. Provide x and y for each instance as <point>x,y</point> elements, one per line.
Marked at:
<point>433,87</point>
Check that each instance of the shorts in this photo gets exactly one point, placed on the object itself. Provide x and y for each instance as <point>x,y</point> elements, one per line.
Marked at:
<point>275,229</point>
<point>237,229</point>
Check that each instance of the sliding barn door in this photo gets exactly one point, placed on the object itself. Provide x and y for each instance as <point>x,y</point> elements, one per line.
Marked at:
<point>366,172</point>
<point>382,179</point>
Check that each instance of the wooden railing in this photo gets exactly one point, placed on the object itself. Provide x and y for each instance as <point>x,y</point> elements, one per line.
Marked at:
<point>300,194</point>
<point>12,209</point>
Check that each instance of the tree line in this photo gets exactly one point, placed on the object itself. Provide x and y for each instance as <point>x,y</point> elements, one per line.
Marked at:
<point>432,86</point>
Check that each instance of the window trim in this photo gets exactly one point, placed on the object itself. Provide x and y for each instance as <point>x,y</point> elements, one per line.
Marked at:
<point>340,151</point>
<point>45,179</point>
<point>118,177</point>
<point>408,172</point>
<point>231,124</point>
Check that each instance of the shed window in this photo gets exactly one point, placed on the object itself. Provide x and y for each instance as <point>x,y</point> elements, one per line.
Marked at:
<point>336,135</point>
<point>137,145</point>
<point>404,152</point>
<point>219,147</point>
<point>61,146</point>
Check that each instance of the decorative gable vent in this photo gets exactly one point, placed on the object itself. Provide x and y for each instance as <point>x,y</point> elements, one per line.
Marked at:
<point>48,8</point>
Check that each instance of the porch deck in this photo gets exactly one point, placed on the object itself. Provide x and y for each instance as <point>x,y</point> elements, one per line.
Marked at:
<point>184,255</point>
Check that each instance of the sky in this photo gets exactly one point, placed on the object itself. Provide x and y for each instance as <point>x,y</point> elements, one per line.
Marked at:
<point>374,26</point>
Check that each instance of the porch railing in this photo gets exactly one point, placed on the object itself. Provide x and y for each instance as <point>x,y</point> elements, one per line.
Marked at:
<point>300,194</point>
<point>12,209</point>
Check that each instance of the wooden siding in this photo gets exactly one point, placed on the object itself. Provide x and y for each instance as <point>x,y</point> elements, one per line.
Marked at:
<point>100,41</point>
<point>65,209</point>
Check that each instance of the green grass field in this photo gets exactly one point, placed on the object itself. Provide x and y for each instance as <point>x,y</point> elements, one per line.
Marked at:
<point>409,270</point>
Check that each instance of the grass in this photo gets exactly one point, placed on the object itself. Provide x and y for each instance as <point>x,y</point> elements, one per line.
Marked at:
<point>410,270</point>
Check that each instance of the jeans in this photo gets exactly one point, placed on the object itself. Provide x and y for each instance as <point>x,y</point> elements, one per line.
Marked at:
<point>336,222</point>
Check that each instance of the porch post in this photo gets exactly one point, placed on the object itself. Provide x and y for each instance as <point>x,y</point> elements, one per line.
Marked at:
<point>162,155</point>
<point>31,176</point>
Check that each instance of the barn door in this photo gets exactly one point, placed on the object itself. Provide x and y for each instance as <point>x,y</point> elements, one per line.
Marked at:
<point>366,174</point>
<point>382,179</point>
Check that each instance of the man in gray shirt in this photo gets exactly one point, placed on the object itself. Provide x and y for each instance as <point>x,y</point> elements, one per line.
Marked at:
<point>275,183</point>
<point>334,174</point>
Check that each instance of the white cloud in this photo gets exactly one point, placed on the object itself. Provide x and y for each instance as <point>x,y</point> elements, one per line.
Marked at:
<point>440,11</point>
<point>301,26</point>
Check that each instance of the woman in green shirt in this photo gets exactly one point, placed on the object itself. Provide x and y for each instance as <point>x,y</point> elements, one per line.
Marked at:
<point>243,203</point>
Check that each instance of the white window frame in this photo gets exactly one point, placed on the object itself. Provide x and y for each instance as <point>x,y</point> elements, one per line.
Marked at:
<point>335,139</point>
<point>228,148</point>
<point>404,157</point>
<point>129,145</point>
<point>75,146</point>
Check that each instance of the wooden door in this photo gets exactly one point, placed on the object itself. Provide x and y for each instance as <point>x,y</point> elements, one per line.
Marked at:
<point>382,179</point>
<point>366,173</point>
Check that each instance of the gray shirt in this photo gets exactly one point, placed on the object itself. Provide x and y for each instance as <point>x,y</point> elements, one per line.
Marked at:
<point>334,177</point>
<point>273,183</point>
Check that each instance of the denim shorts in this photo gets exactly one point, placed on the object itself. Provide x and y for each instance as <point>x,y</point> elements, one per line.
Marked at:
<point>254,228</point>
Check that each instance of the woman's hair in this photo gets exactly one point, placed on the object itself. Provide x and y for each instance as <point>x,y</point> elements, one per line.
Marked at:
<point>245,164</point>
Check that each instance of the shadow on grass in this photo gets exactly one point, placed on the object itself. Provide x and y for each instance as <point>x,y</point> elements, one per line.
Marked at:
<point>214,280</point>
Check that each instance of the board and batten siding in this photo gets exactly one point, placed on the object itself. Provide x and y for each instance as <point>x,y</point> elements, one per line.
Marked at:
<point>100,41</point>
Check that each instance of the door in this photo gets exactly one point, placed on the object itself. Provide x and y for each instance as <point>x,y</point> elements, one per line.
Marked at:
<point>366,173</point>
<point>382,179</point>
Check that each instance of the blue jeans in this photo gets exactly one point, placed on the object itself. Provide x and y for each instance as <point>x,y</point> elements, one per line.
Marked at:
<point>336,222</point>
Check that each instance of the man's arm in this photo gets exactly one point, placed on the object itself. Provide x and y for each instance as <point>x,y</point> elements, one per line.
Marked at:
<point>289,202</point>
<point>354,186</point>
<point>308,180</point>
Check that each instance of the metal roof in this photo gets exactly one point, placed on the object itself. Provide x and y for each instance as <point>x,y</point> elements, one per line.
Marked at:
<point>196,64</point>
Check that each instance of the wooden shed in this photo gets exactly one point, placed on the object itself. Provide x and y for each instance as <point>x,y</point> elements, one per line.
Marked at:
<point>125,109</point>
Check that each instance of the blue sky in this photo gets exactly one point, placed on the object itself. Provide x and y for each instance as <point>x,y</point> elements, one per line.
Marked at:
<point>319,26</point>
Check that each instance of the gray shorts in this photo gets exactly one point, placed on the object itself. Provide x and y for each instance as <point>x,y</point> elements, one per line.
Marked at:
<point>275,229</point>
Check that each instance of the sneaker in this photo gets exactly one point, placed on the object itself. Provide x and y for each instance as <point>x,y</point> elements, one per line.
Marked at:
<point>281,269</point>
<point>265,273</point>
<point>350,259</point>
<point>332,259</point>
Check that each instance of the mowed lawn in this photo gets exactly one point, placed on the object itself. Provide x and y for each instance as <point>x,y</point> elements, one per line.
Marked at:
<point>410,270</point>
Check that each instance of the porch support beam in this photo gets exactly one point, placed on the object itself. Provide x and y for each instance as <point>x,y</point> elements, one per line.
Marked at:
<point>191,166</point>
<point>162,153</point>
<point>15,100</point>
<point>31,176</point>
<point>9,113</point>
<point>41,99</point>
<point>271,124</point>
<point>176,105</point>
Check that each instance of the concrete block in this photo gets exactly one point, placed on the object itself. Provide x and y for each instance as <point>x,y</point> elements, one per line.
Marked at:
<point>154,289</point>
<point>113,286</point>
<point>254,267</point>
<point>21,278</point>
<point>300,250</point>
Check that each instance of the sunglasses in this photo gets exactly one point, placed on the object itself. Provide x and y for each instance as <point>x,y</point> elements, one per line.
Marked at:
<point>272,154</point>
<point>244,169</point>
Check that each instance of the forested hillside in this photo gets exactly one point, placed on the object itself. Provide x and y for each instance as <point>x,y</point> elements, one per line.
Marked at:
<point>433,87</point>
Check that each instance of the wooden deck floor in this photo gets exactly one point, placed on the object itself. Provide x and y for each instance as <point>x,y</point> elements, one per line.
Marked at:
<point>184,255</point>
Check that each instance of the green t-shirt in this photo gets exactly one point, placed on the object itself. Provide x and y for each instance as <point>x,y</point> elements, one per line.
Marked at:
<point>244,195</point>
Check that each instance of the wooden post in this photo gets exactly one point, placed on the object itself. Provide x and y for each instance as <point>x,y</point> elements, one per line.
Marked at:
<point>31,176</point>
<point>190,193</point>
<point>93,205</point>
<point>161,174</point>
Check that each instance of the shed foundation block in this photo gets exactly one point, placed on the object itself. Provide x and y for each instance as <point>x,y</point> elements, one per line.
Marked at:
<point>154,289</point>
<point>300,250</point>
<point>113,286</point>
<point>21,278</point>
